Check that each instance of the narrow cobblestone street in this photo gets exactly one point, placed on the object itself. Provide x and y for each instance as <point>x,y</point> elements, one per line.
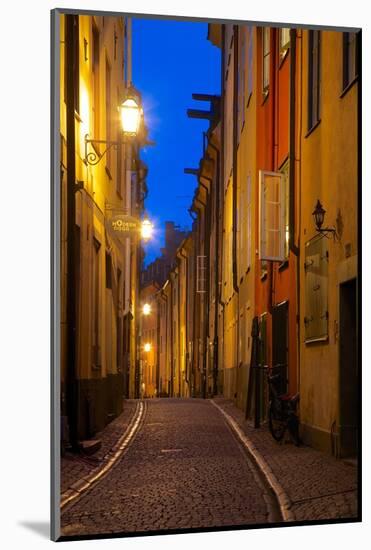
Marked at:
<point>184,469</point>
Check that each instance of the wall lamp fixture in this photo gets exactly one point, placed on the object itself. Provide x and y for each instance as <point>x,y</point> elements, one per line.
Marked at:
<point>131,116</point>
<point>319,217</point>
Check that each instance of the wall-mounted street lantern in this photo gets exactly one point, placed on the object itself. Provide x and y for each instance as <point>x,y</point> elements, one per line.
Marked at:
<point>319,217</point>
<point>131,113</point>
<point>131,116</point>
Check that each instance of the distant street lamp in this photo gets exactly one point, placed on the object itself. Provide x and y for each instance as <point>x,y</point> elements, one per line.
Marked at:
<point>146,229</point>
<point>147,309</point>
<point>147,347</point>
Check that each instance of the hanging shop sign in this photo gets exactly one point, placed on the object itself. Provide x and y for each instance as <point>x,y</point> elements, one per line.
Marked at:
<point>124,225</point>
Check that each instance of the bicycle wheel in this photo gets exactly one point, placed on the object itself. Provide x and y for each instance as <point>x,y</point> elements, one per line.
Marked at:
<point>277,426</point>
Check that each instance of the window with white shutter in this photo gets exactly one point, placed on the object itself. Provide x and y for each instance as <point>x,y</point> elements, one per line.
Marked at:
<point>272,216</point>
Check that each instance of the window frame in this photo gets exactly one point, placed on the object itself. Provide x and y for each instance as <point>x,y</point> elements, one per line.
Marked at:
<point>347,79</point>
<point>266,52</point>
<point>314,86</point>
<point>283,46</point>
<point>263,256</point>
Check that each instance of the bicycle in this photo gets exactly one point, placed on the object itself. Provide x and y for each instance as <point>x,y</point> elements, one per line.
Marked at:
<point>282,409</point>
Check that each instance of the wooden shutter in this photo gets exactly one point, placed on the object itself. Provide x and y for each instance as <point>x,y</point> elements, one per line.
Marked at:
<point>316,289</point>
<point>272,216</point>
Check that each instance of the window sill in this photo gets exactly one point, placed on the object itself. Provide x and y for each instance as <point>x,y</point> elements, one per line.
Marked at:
<point>348,87</point>
<point>315,125</point>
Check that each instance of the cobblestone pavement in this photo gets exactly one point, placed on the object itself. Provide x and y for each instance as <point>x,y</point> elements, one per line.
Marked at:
<point>319,486</point>
<point>74,468</point>
<point>184,469</point>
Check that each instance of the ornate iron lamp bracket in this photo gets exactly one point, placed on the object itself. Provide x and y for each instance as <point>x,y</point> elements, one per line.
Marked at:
<point>93,158</point>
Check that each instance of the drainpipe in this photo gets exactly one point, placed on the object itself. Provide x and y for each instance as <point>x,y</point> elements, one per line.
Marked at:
<point>181,253</point>
<point>158,306</point>
<point>163,295</point>
<point>195,300</point>
<point>234,180</point>
<point>128,161</point>
<point>206,308</point>
<point>178,308</point>
<point>295,249</point>
<point>71,381</point>
<point>216,281</point>
<point>207,300</point>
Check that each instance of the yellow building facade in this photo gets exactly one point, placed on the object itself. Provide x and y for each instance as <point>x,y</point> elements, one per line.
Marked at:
<point>92,71</point>
<point>328,154</point>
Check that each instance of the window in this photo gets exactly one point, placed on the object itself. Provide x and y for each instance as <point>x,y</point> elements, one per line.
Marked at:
<point>201,274</point>
<point>249,64</point>
<point>241,76</point>
<point>95,305</point>
<point>313,78</point>
<point>272,216</point>
<point>108,112</point>
<point>350,55</point>
<point>244,228</point>
<point>119,152</point>
<point>108,271</point>
<point>286,194</point>
<point>316,289</point>
<point>95,70</point>
<point>284,41</point>
<point>266,59</point>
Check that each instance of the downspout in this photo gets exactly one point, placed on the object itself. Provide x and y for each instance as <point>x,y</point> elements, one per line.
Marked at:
<point>234,179</point>
<point>71,382</point>
<point>195,301</point>
<point>158,305</point>
<point>207,298</point>
<point>163,295</point>
<point>216,281</point>
<point>171,389</point>
<point>205,327</point>
<point>295,249</point>
<point>178,354</point>
<point>235,183</point>
<point>128,271</point>
<point>221,187</point>
<point>186,314</point>
<point>273,157</point>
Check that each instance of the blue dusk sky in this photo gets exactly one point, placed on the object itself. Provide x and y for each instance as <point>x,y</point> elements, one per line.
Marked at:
<point>172,60</point>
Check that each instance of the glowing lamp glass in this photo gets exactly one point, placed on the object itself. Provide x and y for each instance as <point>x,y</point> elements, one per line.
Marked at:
<point>130,117</point>
<point>147,309</point>
<point>147,347</point>
<point>146,230</point>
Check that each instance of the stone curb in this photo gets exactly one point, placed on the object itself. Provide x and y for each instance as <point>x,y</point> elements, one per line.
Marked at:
<point>284,501</point>
<point>87,482</point>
